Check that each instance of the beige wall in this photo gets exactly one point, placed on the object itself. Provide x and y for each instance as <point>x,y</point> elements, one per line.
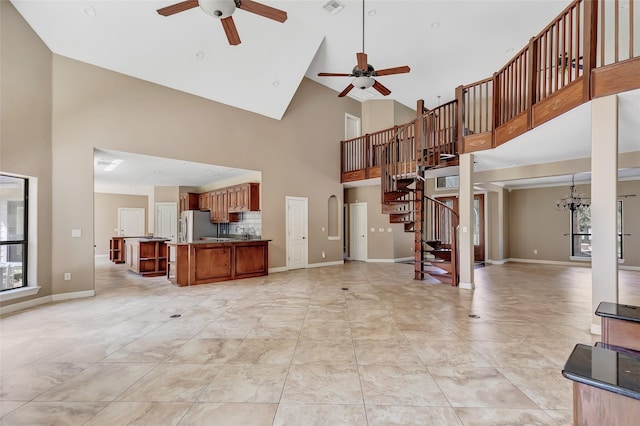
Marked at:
<point>106,216</point>
<point>380,245</point>
<point>94,107</point>
<point>535,224</point>
<point>25,127</point>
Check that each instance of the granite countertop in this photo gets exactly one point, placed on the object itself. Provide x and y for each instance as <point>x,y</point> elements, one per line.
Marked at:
<point>224,240</point>
<point>618,311</point>
<point>144,239</point>
<point>605,368</point>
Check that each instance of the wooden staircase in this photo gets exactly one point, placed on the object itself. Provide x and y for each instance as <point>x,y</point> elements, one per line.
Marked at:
<point>425,143</point>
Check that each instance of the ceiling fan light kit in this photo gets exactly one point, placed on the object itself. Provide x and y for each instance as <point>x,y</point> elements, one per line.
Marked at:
<point>223,10</point>
<point>363,82</point>
<point>363,72</point>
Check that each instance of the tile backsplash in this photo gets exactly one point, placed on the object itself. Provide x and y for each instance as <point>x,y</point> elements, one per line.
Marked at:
<point>250,223</point>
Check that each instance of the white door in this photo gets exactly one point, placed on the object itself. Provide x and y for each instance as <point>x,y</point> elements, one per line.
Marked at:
<point>167,221</point>
<point>131,222</point>
<point>351,126</point>
<point>358,228</point>
<point>297,231</point>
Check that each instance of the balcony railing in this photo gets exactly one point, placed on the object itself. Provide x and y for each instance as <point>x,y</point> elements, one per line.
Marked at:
<point>590,49</point>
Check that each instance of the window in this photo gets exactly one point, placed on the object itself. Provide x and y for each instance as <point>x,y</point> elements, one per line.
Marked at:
<point>581,232</point>
<point>448,182</point>
<point>13,232</point>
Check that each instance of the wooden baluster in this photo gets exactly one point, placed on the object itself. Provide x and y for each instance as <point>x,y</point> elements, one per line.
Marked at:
<point>616,29</point>
<point>572,60</point>
<point>590,45</point>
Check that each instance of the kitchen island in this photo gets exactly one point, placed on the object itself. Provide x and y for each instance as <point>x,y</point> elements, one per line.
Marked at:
<point>146,256</point>
<point>215,260</point>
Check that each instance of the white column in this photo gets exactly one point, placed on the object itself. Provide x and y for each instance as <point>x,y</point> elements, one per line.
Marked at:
<point>465,210</point>
<point>604,183</point>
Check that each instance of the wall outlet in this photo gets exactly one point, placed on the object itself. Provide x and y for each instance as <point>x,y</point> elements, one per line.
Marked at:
<point>324,255</point>
<point>535,251</point>
<point>67,276</point>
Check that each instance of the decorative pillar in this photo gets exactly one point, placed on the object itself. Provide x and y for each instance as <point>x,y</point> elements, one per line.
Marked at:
<point>604,204</point>
<point>465,210</point>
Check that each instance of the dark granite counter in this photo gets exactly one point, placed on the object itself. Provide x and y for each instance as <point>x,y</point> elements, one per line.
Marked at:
<point>223,241</point>
<point>605,368</point>
<point>618,311</point>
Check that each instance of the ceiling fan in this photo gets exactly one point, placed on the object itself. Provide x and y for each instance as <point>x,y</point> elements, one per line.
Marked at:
<point>223,9</point>
<point>363,72</point>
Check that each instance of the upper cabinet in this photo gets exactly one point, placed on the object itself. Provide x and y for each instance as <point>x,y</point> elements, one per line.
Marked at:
<point>188,201</point>
<point>244,198</point>
<point>204,201</point>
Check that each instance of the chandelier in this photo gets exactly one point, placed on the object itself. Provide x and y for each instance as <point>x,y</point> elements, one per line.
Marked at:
<point>573,200</point>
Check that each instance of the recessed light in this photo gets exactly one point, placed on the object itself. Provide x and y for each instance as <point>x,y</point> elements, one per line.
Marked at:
<point>435,24</point>
<point>371,12</point>
<point>89,11</point>
<point>200,54</point>
<point>276,83</point>
<point>509,50</point>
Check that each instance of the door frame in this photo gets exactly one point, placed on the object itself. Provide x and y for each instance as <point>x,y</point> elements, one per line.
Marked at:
<point>288,199</point>
<point>478,250</point>
<point>352,226</point>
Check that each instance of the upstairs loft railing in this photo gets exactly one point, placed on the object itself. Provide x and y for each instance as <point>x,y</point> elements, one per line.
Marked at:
<point>590,49</point>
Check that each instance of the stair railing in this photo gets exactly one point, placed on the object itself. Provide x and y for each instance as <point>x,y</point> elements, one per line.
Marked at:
<point>440,133</point>
<point>441,225</point>
<point>398,157</point>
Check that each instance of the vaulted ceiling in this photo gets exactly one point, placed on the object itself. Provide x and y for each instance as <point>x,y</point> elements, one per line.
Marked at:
<point>445,42</point>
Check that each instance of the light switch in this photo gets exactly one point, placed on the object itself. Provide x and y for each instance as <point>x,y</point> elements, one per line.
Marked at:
<point>323,229</point>
<point>373,229</point>
<point>380,229</point>
<point>464,229</point>
<point>389,229</point>
<point>76,233</point>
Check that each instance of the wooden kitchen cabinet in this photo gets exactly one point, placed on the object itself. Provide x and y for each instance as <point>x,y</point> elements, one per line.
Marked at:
<point>189,201</point>
<point>244,198</point>
<point>204,201</point>
<point>146,257</point>
<point>116,249</point>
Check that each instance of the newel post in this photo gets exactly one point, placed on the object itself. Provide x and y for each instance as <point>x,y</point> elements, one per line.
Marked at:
<point>459,122</point>
<point>367,155</point>
<point>590,46</point>
<point>496,108</point>
<point>532,79</point>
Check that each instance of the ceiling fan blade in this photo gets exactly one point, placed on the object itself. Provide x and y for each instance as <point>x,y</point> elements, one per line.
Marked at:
<point>332,74</point>
<point>230,30</point>
<point>263,10</point>
<point>178,7</point>
<point>380,88</point>
<point>389,71</point>
<point>362,61</point>
<point>346,90</point>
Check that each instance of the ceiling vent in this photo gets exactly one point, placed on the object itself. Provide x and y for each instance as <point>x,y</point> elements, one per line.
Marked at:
<point>333,6</point>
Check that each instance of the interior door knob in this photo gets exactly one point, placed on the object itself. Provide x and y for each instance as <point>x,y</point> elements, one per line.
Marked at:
<point>304,238</point>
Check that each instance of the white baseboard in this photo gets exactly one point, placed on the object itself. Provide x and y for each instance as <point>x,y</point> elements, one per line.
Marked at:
<point>278,269</point>
<point>496,262</point>
<point>73,295</point>
<point>402,259</point>
<point>46,299</point>
<point>596,329</point>
<point>102,256</point>
<point>380,260</point>
<point>629,268</point>
<point>466,286</point>
<point>24,305</point>
<point>323,264</point>
<point>549,262</point>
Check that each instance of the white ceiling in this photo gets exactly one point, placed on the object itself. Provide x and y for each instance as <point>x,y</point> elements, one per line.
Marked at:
<point>445,42</point>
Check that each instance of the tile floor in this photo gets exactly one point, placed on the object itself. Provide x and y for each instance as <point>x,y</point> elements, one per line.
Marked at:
<point>359,344</point>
